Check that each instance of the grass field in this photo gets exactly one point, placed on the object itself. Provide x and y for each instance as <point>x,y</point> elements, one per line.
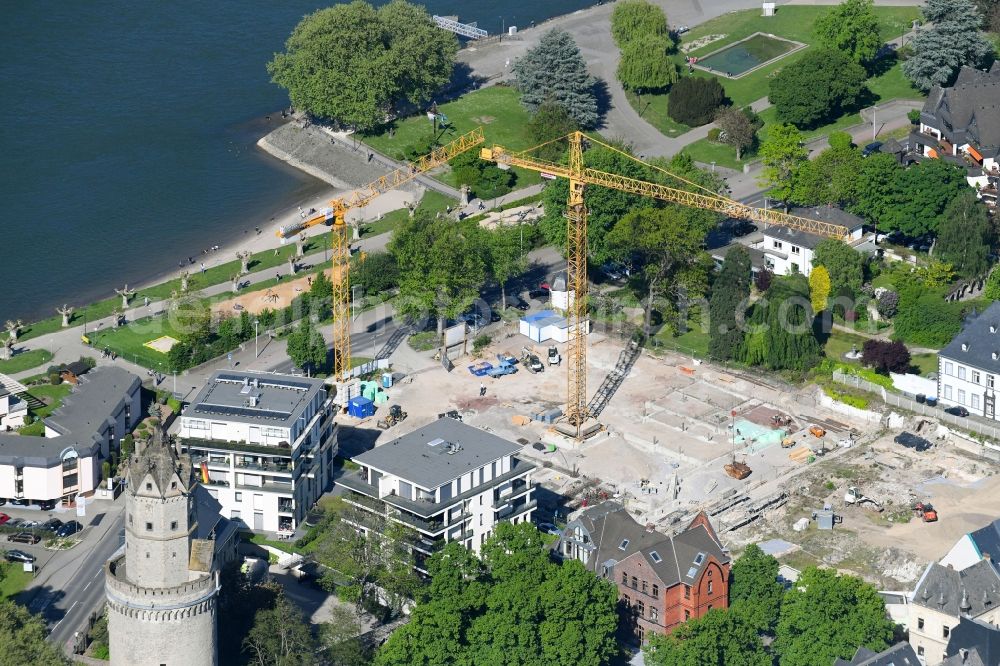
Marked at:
<point>128,341</point>
<point>212,276</point>
<point>839,343</point>
<point>652,107</point>
<point>925,363</point>
<point>29,359</point>
<point>15,579</point>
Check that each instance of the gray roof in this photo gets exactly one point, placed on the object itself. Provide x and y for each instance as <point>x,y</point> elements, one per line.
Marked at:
<point>437,453</point>
<point>987,539</point>
<point>793,236</point>
<point>275,400</point>
<point>980,639</point>
<point>832,215</point>
<point>80,419</point>
<point>968,111</point>
<point>756,256</point>
<point>972,591</point>
<point>900,654</point>
<point>981,343</point>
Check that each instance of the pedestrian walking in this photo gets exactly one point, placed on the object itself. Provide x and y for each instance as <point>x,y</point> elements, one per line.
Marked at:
<point>203,267</point>
<point>482,389</point>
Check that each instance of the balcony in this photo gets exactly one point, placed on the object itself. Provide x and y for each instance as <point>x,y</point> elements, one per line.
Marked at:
<point>282,467</point>
<point>507,514</point>
<point>268,487</point>
<point>353,481</point>
<point>221,445</point>
<point>286,507</point>
<point>514,494</point>
<point>364,501</point>
<point>432,527</point>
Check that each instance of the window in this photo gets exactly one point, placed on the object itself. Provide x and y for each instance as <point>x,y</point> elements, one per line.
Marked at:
<point>920,623</point>
<point>920,650</point>
<point>623,545</point>
<point>961,396</point>
<point>975,400</point>
<point>989,381</point>
<point>480,500</point>
<point>949,368</point>
<point>795,249</point>
<point>656,591</point>
<point>975,376</point>
<point>653,614</point>
<point>624,578</point>
<point>239,497</point>
<point>234,514</point>
<point>700,558</point>
<point>961,372</point>
<point>173,524</point>
<point>655,556</point>
<point>687,591</point>
<point>149,486</point>
<point>777,245</point>
<point>130,519</point>
<point>945,631</point>
<point>710,607</point>
<point>628,601</point>
<point>635,583</point>
<point>644,587</point>
<point>710,587</point>
<point>642,608</point>
<point>947,392</point>
<point>687,614</point>
<point>149,527</point>
<point>480,520</point>
<point>173,485</point>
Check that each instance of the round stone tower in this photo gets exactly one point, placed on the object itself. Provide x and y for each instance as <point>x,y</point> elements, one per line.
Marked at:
<point>160,611</point>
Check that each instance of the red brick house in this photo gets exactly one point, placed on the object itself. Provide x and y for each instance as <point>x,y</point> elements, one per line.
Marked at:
<point>662,580</point>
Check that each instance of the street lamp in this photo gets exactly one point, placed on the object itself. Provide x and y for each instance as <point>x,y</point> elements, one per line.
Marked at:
<point>874,111</point>
<point>256,337</point>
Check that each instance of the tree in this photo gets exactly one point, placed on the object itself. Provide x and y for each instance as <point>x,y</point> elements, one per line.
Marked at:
<point>782,155</point>
<point>920,195</point>
<point>887,303</point>
<point>730,296</point>
<point>780,334</point>
<point>953,41</point>
<point>762,280</point>
<point>693,100</point>
<point>831,178</point>
<point>22,638</point>
<point>925,318</point>
<point>718,637</point>
<point>819,288</point>
<point>504,257</point>
<point>306,346</point>
<point>636,19</point>
<point>485,178</point>
<point>755,592</point>
<point>816,88</point>
<point>645,67</point>
<point>843,263</point>
<point>737,129</point>
<point>550,121</point>
<point>376,272</point>
<point>963,235</point>
<point>441,267</point>
<point>992,288</point>
<point>340,636</point>
<point>554,69</point>
<point>514,606</point>
<point>354,64</point>
<point>280,636</point>
<point>852,28</point>
<point>874,187</point>
<point>885,356</point>
<point>826,616</point>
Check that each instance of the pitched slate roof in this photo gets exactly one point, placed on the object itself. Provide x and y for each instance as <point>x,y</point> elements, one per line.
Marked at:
<point>987,539</point>
<point>972,591</point>
<point>980,639</point>
<point>900,654</point>
<point>981,342</point>
<point>968,111</point>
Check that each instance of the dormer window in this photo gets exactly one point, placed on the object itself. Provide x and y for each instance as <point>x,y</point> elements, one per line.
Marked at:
<point>655,556</point>
<point>965,346</point>
<point>623,545</point>
<point>993,328</point>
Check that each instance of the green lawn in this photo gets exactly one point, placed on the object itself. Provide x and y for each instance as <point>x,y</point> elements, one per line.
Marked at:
<point>15,579</point>
<point>694,342</point>
<point>925,363</point>
<point>839,343</point>
<point>25,360</point>
<point>496,109</point>
<point>212,276</point>
<point>723,155</point>
<point>128,341</point>
<point>652,107</point>
<point>432,201</point>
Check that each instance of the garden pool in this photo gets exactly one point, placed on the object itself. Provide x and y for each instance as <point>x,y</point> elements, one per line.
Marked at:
<point>747,54</point>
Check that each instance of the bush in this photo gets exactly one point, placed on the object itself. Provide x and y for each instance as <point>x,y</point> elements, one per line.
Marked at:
<point>713,134</point>
<point>485,178</point>
<point>886,356</point>
<point>420,147</point>
<point>55,379</point>
<point>693,100</point>
<point>480,343</point>
<point>913,116</point>
<point>762,280</point>
<point>175,405</point>
<point>888,303</point>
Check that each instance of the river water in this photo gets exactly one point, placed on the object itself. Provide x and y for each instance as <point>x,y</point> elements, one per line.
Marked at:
<point>128,131</point>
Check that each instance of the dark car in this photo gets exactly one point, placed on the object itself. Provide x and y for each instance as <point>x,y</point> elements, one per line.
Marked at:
<point>871,149</point>
<point>19,556</point>
<point>521,305</point>
<point>20,501</point>
<point>538,293</point>
<point>954,411</point>
<point>52,525</point>
<point>911,441</point>
<point>16,522</point>
<point>495,316</point>
<point>24,537</point>
<point>2,501</point>
<point>69,529</point>
<point>534,364</point>
<point>47,505</point>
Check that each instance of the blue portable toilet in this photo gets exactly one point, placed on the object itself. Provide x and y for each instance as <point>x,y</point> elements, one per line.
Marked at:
<point>386,380</point>
<point>360,407</point>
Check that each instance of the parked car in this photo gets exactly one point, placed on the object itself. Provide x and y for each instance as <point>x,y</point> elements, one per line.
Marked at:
<point>24,537</point>
<point>549,528</point>
<point>2,501</point>
<point>613,271</point>
<point>52,525</point>
<point>19,556</point>
<point>521,305</point>
<point>871,149</point>
<point>911,441</point>
<point>20,501</point>
<point>494,316</point>
<point>539,294</point>
<point>16,522</point>
<point>954,411</point>
<point>69,529</point>
<point>534,364</point>
<point>554,357</point>
<point>47,505</point>
<point>4,518</point>
<point>30,524</point>
<point>682,29</point>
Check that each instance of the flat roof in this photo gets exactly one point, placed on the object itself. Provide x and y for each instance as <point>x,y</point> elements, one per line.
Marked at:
<point>254,397</point>
<point>437,453</point>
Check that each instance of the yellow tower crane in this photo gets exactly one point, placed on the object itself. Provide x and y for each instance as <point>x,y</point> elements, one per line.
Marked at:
<point>579,176</point>
<point>340,244</point>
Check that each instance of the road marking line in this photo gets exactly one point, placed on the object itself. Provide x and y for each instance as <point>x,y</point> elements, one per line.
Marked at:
<point>88,585</point>
<point>72,607</point>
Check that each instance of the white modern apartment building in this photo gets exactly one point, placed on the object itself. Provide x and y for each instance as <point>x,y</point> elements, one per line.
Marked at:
<point>263,445</point>
<point>79,435</point>
<point>969,367</point>
<point>447,480</point>
<point>788,250</point>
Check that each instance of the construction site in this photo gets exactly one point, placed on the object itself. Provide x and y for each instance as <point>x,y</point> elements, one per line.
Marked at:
<point>765,459</point>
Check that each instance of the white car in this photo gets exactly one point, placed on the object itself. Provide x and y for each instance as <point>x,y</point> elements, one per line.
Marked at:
<point>682,29</point>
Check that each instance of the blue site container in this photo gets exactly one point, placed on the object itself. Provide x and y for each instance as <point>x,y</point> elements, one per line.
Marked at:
<point>360,407</point>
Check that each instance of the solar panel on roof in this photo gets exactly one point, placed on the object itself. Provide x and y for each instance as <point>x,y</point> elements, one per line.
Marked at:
<point>692,572</point>
<point>241,411</point>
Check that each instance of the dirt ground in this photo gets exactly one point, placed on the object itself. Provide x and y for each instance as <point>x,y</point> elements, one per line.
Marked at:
<point>273,298</point>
